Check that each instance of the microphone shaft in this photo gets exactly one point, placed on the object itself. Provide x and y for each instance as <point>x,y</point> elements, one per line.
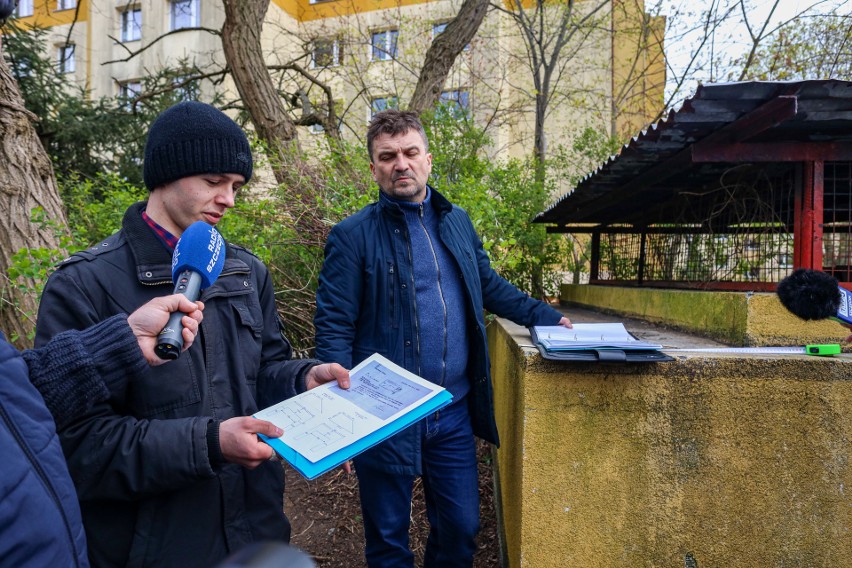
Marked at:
<point>170,340</point>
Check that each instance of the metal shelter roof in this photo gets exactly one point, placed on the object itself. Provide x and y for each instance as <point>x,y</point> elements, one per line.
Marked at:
<point>724,125</point>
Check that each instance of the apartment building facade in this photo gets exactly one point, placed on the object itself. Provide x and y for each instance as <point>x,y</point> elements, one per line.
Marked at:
<point>369,52</point>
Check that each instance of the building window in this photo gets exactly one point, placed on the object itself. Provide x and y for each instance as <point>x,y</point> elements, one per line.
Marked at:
<point>438,29</point>
<point>382,103</point>
<point>316,129</point>
<point>455,103</point>
<point>65,58</point>
<point>326,53</point>
<point>66,4</point>
<point>131,24</point>
<point>384,45</point>
<point>184,14</point>
<point>24,9</point>
<point>129,89</point>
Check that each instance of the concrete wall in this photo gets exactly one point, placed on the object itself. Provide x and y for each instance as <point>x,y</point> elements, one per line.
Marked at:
<point>732,460</point>
<point>737,318</point>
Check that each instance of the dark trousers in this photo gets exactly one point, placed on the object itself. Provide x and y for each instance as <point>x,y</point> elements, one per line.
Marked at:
<point>451,487</point>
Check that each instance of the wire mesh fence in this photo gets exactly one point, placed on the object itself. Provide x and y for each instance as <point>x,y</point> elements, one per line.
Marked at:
<point>739,231</point>
<point>837,230</point>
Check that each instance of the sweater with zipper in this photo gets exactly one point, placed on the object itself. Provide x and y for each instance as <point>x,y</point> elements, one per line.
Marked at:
<point>439,297</point>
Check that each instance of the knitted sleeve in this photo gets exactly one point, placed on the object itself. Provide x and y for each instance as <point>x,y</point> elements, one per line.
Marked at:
<point>77,369</point>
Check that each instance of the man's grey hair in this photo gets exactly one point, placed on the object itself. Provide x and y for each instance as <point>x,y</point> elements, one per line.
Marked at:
<point>394,122</point>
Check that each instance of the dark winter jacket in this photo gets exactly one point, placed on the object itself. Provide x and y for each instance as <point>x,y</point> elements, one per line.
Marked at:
<point>40,521</point>
<point>366,304</point>
<point>148,490</point>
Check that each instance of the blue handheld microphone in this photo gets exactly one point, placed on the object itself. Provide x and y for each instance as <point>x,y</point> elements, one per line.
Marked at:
<point>197,262</point>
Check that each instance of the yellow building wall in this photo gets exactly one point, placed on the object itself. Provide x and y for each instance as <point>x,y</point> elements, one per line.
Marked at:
<point>69,26</point>
<point>494,71</point>
<point>639,67</point>
<point>736,461</point>
<point>46,14</point>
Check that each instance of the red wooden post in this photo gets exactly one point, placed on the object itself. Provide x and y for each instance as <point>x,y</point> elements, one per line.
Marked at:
<point>808,216</point>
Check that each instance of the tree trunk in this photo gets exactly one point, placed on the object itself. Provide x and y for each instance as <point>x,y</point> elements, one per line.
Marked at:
<point>244,55</point>
<point>241,35</point>
<point>443,52</point>
<point>26,182</point>
<point>542,100</point>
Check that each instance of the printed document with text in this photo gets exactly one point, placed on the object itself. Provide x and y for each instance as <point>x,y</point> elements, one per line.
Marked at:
<point>328,425</point>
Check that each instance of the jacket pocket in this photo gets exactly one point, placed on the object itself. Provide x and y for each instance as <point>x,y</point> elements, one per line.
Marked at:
<point>249,331</point>
<point>165,389</point>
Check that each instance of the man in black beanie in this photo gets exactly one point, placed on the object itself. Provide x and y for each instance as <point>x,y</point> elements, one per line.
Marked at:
<point>171,472</point>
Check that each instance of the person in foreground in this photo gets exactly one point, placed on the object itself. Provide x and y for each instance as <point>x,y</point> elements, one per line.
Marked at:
<point>76,369</point>
<point>407,277</point>
<point>171,472</point>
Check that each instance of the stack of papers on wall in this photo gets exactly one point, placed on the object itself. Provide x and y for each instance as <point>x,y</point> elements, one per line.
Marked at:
<point>327,425</point>
<point>588,336</point>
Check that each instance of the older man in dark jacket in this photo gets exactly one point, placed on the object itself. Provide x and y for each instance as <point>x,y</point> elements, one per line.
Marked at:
<point>171,473</point>
<point>407,277</point>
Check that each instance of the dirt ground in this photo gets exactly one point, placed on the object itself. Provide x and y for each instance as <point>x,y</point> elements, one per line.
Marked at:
<point>326,518</point>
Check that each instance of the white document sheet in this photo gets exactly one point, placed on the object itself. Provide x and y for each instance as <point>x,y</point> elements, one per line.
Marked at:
<point>589,336</point>
<point>323,420</point>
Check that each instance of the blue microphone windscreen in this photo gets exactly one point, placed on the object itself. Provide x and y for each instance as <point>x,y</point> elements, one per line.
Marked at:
<point>201,249</point>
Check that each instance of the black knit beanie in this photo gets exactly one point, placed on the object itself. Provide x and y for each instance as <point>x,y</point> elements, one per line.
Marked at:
<point>193,138</point>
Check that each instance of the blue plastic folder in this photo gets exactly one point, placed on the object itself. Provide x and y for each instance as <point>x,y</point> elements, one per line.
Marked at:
<point>327,426</point>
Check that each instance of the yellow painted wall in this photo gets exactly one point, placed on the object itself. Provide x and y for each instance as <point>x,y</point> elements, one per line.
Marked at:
<point>738,461</point>
<point>736,318</point>
<point>639,67</point>
<point>304,11</point>
<point>45,14</point>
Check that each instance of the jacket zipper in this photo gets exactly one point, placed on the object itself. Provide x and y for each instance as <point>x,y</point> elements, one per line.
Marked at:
<point>42,475</point>
<point>414,303</point>
<point>392,291</point>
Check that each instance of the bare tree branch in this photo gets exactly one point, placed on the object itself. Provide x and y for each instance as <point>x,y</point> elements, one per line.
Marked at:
<point>132,54</point>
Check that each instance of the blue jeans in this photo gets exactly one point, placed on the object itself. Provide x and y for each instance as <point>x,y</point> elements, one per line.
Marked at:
<point>451,488</point>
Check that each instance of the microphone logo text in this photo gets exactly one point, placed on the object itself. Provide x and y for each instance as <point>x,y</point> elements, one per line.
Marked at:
<point>215,247</point>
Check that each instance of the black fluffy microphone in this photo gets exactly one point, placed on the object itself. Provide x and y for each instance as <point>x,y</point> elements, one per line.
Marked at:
<point>197,262</point>
<point>815,295</point>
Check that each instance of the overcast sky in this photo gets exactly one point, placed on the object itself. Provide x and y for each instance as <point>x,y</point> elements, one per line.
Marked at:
<point>731,39</point>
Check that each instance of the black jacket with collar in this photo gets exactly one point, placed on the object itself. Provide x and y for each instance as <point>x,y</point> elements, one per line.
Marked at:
<point>148,492</point>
